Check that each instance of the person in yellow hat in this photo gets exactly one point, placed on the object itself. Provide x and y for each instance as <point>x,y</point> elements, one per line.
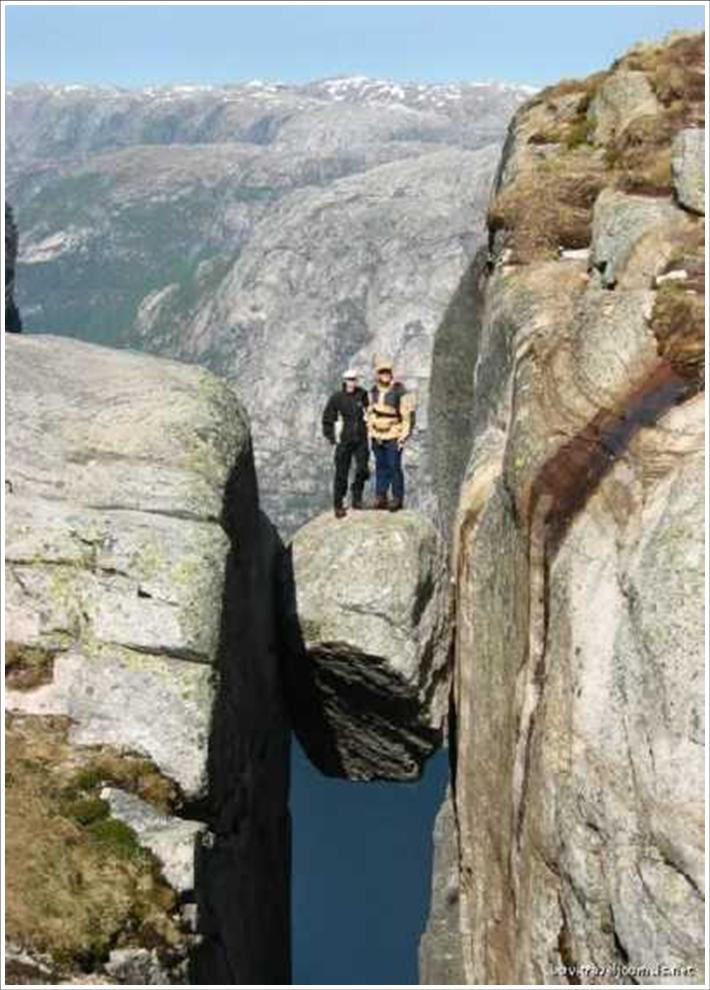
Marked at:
<point>390,421</point>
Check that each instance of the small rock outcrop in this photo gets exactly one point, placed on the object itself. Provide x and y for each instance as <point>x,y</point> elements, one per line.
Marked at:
<point>370,635</point>
<point>577,802</point>
<point>688,165</point>
<point>140,628</point>
<point>13,323</point>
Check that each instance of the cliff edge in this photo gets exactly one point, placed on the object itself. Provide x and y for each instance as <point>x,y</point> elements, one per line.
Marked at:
<point>576,811</point>
<point>147,745</point>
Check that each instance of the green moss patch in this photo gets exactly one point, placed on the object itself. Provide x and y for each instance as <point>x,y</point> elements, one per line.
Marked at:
<point>78,883</point>
<point>27,667</point>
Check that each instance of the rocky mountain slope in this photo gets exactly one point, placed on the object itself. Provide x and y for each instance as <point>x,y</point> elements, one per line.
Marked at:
<point>274,234</point>
<point>571,846</point>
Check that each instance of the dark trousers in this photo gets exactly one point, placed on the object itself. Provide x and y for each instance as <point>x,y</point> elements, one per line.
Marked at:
<point>388,468</point>
<point>344,453</point>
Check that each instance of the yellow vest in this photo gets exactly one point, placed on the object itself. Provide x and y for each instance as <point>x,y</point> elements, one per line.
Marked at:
<point>384,422</point>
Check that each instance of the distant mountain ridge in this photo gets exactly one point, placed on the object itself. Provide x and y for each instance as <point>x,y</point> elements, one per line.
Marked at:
<point>65,119</point>
<point>273,233</point>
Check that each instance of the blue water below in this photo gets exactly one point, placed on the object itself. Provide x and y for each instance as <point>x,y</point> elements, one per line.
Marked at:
<point>361,874</point>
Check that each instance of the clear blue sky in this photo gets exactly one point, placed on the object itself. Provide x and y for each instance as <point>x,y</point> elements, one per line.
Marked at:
<point>138,44</point>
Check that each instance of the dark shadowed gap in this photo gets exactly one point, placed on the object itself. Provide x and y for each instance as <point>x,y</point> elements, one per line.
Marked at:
<point>361,873</point>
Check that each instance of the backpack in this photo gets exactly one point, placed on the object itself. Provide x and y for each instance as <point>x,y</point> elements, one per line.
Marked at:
<point>396,387</point>
<point>399,390</point>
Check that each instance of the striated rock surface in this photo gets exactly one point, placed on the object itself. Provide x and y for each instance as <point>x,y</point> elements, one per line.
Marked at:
<point>115,557</point>
<point>139,602</point>
<point>275,234</point>
<point>578,793</point>
<point>370,643</point>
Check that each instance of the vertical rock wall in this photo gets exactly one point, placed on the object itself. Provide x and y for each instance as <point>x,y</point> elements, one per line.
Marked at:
<point>578,552</point>
<point>244,866</point>
<point>142,674</point>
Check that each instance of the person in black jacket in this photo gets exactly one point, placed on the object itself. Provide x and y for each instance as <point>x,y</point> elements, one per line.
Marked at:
<point>345,427</point>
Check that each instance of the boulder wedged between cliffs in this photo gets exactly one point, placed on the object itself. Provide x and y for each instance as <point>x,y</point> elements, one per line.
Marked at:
<point>368,631</point>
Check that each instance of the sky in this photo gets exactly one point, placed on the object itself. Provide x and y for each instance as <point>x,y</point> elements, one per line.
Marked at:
<point>135,45</point>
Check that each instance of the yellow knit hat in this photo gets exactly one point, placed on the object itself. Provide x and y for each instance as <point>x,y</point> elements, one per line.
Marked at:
<point>381,363</point>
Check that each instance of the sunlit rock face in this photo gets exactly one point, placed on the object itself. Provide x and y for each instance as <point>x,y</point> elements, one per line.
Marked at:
<point>578,555</point>
<point>141,645</point>
<point>370,635</point>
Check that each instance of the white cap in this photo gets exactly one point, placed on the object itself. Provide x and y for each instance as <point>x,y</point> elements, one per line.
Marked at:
<point>350,373</point>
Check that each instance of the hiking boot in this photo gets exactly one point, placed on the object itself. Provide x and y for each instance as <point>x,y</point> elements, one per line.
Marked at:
<point>396,504</point>
<point>340,511</point>
<point>380,502</point>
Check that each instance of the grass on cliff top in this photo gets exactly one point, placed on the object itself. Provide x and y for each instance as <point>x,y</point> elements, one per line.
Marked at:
<point>676,73</point>
<point>678,324</point>
<point>678,315</point>
<point>77,884</point>
<point>549,209</point>
<point>549,206</point>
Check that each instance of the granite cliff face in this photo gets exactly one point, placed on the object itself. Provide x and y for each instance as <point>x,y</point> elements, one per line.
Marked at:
<point>275,234</point>
<point>147,735</point>
<point>571,846</point>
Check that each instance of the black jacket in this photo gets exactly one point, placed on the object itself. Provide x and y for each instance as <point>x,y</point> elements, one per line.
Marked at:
<point>351,406</point>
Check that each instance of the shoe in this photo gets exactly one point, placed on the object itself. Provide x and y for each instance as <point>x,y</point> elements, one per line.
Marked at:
<point>380,502</point>
<point>356,503</point>
<point>340,511</point>
<point>396,505</point>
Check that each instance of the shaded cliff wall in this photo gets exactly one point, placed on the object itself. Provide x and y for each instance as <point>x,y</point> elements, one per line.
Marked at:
<point>578,550</point>
<point>244,866</point>
<point>13,323</point>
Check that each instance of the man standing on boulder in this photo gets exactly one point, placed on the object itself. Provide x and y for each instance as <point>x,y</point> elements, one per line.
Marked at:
<point>345,427</point>
<point>390,423</point>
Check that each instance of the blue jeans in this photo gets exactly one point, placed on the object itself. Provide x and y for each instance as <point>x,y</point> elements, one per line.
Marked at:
<point>388,468</point>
